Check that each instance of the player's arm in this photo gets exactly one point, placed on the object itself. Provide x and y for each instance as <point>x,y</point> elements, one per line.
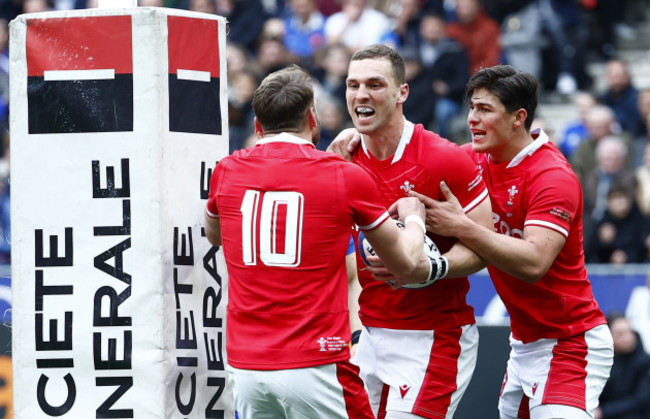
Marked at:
<point>354,291</point>
<point>401,250</point>
<point>462,260</point>
<point>213,229</point>
<point>528,259</point>
<point>345,143</point>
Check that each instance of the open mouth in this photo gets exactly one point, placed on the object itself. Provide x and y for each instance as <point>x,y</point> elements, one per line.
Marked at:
<point>478,135</point>
<point>364,112</point>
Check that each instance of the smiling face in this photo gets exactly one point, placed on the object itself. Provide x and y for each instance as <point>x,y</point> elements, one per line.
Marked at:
<point>492,127</point>
<point>374,97</point>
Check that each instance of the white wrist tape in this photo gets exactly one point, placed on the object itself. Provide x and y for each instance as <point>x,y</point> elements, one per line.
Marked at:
<point>417,220</point>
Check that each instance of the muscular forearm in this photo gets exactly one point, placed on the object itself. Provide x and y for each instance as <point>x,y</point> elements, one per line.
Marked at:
<point>517,257</point>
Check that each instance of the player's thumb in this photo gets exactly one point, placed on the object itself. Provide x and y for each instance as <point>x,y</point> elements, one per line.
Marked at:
<point>446,191</point>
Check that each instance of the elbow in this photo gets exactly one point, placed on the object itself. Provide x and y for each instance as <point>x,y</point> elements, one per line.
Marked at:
<point>534,274</point>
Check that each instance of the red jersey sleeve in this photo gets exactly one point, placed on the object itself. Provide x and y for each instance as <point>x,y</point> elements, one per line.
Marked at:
<point>364,198</point>
<point>215,181</point>
<point>554,201</point>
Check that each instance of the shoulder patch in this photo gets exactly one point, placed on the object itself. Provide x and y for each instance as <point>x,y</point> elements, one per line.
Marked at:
<point>562,214</point>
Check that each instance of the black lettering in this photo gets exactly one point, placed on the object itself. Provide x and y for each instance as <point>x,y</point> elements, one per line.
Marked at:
<point>42,290</point>
<point>210,412</point>
<point>116,271</point>
<point>185,409</point>
<point>205,180</point>
<point>214,354</point>
<point>112,363</point>
<point>46,407</point>
<point>54,344</point>
<point>185,257</point>
<point>123,385</point>
<point>111,191</point>
<point>180,289</point>
<point>53,259</point>
<point>211,300</point>
<point>114,302</point>
<point>186,341</point>
<point>55,363</point>
<point>210,263</point>
<point>187,361</point>
<point>124,229</point>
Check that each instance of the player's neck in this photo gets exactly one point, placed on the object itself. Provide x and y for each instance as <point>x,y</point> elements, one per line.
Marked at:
<point>511,148</point>
<point>383,143</point>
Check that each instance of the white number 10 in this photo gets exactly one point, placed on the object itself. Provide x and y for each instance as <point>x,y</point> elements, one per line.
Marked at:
<point>268,227</point>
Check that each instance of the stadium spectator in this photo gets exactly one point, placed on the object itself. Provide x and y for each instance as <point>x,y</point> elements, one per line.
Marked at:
<point>305,32</point>
<point>477,32</point>
<point>299,363</point>
<point>5,213</point>
<point>420,107</point>
<point>406,23</point>
<point>621,232</point>
<point>445,61</point>
<point>575,131</point>
<point>642,137</point>
<point>272,55</point>
<point>245,21</point>
<point>611,171</point>
<point>627,392</point>
<point>332,68</point>
<point>621,96</point>
<point>533,251</point>
<point>203,6</point>
<point>240,108</point>
<point>601,122</point>
<point>435,323</point>
<point>357,25</point>
<point>333,119</point>
<point>521,37</point>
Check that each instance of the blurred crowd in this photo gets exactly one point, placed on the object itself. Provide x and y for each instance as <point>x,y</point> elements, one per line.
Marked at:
<point>443,42</point>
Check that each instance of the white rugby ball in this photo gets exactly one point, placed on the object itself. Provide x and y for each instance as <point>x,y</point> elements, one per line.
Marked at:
<point>429,247</point>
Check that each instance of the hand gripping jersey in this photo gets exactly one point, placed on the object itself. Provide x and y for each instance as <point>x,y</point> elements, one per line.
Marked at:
<point>421,161</point>
<point>539,188</point>
<point>286,213</point>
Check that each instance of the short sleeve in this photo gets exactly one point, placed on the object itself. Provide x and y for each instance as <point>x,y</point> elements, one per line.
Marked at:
<point>554,200</point>
<point>363,198</point>
<point>215,181</point>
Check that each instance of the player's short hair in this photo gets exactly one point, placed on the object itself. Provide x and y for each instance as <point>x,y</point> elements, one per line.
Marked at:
<point>283,99</point>
<point>379,51</point>
<point>514,88</point>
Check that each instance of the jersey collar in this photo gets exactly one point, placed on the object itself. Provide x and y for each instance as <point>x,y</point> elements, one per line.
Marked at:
<point>407,134</point>
<point>284,137</point>
<point>540,138</point>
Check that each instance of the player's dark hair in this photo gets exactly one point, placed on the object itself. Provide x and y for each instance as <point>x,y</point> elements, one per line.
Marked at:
<point>283,99</point>
<point>515,89</point>
<point>378,51</point>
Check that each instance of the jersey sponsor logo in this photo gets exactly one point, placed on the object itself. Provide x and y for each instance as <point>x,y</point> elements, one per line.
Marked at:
<point>564,215</point>
<point>407,187</point>
<point>535,388</point>
<point>403,389</point>
<point>501,226</point>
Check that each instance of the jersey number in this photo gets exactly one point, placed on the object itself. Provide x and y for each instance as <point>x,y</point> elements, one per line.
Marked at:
<point>292,202</point>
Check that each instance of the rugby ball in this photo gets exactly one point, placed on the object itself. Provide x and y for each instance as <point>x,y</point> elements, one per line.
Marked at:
<point>429,247</point>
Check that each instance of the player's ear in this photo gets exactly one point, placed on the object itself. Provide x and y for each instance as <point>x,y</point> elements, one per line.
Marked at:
<point>259,131</point>
<point>403,93</point>
<point>520,117</point>
<point>312,117</point>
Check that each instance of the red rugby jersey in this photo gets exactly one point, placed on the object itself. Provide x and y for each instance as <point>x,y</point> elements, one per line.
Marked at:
<point>286,212</point>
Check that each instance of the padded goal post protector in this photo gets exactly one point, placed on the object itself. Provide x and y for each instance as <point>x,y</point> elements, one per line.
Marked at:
<point>118,117</point>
